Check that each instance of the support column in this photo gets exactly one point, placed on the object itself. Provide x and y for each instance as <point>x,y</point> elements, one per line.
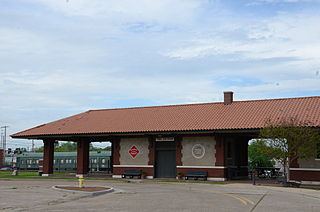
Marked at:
<point>220,157</point>
<point>242,156</point>
<point>178,151</point>
<point>116,170</point>
<point>116,151</point>
<point>1,158</point>
<point>151,148</point>
<point>82,157</point>
<point>220,150</point>
<point>48,155</point>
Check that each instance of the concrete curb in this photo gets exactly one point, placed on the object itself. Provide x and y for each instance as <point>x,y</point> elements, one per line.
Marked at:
<point>93,193</point>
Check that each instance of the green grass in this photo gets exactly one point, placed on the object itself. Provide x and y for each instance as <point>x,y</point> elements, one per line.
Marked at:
<point>29,175</point>
<point>8,174</point>
<point>62,176</point>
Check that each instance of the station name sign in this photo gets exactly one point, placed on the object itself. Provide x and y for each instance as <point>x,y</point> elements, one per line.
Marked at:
<point>161,139</point>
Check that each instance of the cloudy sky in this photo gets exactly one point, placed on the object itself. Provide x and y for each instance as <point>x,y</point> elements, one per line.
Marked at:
<point>62,57</point>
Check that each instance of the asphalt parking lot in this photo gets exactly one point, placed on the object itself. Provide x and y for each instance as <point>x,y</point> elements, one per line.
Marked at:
<point>38,195</point>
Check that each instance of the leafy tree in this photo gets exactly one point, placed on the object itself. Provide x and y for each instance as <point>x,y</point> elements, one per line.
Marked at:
<point>289,139</point>
<point>66,147</point>
<point>256,157</point>
<point>92,148</point>
<point>72,147</point>
<point>39,149</point>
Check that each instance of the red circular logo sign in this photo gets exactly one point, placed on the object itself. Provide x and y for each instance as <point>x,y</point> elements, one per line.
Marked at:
<point>134,151</point>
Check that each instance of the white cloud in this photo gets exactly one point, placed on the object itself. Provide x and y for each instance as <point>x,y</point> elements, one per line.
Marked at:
<point>169,11</point>
<point>282,36</point>
<point>283,86</point>
<point>18,41</point>
<point>276,89</point>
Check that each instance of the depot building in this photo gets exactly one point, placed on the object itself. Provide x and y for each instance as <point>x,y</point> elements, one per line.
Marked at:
<point>166,140</point>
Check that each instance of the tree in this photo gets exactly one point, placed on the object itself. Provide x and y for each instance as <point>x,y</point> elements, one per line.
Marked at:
<point>66,147</point>
<point>72,147</point>
<point>256,157</point>
<point>289,139</point>
<point>39,149</point>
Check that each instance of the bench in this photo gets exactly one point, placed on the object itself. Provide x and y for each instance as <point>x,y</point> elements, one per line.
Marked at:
<point>196,175</point>
<point>295,184</point>
<point>131,173</point>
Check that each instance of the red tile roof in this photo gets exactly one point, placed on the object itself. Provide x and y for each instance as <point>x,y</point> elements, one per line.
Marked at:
<point>189,117</point>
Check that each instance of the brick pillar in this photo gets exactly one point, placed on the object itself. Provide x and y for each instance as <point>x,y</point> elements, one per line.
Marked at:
<point>116,151</point>
<point>245,151</point>
<point>151,148</point>
<point>219,150</point>
<point>1,158</point>
<point>82,157</point>
<point>178,151</point>
<point>48,155</point>
<point>116,171</point>
<point>243,155</point>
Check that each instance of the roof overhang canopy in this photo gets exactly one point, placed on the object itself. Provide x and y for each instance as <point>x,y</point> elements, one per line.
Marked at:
<point>240,116</point>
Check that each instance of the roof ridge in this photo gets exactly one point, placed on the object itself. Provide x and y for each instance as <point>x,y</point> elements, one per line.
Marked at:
<point>204,103</point>
<point>156,106</point>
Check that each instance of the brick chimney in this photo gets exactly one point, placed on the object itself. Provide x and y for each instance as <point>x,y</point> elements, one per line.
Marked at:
<point>228,97</point>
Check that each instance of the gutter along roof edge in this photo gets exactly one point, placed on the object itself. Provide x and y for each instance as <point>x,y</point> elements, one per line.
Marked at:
<point>253,130</point>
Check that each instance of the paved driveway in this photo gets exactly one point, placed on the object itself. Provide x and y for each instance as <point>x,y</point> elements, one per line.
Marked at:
<point>32,195</point>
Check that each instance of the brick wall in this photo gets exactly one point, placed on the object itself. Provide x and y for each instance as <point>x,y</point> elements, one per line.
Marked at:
<point>1,158</point>
<point>305,175</point>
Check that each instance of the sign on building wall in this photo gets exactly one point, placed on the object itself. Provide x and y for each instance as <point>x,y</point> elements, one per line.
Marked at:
<point>160,139</point>
<point>134,151</point>
<point>198,151</point>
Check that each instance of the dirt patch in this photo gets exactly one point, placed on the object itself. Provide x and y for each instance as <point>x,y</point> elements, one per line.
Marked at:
<point>86,189</point>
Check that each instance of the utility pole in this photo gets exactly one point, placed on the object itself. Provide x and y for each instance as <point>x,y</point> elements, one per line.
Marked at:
<point>32,146</point>
<point>4,138</point>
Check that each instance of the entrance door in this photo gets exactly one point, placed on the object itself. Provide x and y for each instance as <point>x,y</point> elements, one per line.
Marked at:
<point>165,160</point>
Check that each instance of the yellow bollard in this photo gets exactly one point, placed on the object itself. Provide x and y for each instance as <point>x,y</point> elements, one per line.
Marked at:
<point>81,181</point>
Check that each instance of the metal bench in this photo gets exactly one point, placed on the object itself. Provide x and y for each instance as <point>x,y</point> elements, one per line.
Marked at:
<point>196,175</point>
<point>131,173</point>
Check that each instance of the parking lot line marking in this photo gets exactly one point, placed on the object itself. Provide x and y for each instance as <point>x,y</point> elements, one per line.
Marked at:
<point>243,200</point>
<point>246,199</point>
